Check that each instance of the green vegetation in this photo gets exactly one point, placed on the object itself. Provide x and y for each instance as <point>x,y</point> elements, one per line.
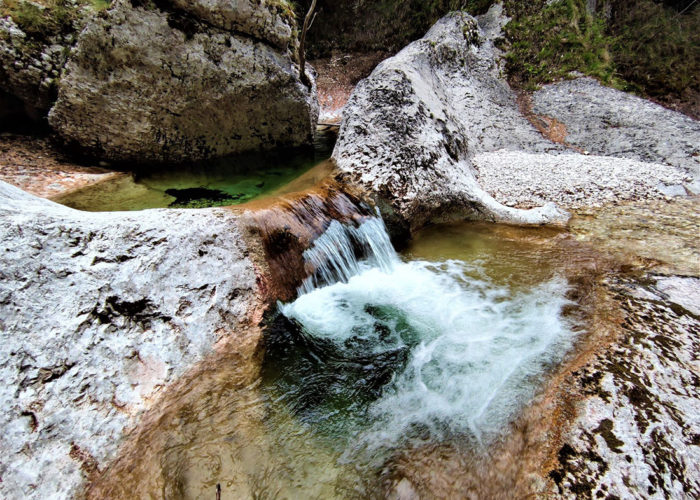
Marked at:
<point>651,47</point>
<point>657,49</point>
<point>99,5</point>
<point>644,46</point>
<point>555,40</point>
<point>285,8</point>
<point>41,20</point>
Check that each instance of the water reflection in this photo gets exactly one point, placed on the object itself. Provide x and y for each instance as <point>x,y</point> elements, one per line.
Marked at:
<point>226,181</point>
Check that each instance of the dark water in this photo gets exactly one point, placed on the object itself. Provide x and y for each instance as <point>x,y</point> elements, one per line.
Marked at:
<point>227,181</point>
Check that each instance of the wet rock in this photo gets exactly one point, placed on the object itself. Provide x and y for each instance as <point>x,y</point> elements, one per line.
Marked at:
<point>659,233</point>
<point>411,128</point>
<point>682,291</point>
<point>100,312</point>
<point>636,434</point>
<point>609,122</point>
<point>157,82</point>
<point>403,490</point>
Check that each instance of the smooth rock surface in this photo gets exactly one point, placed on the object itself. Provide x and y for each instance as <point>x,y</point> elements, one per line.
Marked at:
<point>682,291</point>
<point>610,122</point>
<point>411,128</point>
<point>98,313</point>
<point>573,180</point>
<point>151,85</point>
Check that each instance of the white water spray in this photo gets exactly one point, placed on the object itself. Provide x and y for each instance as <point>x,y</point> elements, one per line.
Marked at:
<point>477,349</point>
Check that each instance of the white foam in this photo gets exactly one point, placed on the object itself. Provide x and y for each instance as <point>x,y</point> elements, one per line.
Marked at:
<point>477,348</point>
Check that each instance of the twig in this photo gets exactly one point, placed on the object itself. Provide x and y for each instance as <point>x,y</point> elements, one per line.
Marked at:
<point>308,20</point>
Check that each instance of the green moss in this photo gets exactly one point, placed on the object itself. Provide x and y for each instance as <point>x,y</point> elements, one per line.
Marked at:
<point>555,40</point>
<point>99,5</point>
<point>41,20</point>
<point>286,9</point>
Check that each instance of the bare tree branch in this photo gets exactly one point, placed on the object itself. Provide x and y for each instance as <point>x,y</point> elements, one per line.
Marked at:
<point>308,21</point>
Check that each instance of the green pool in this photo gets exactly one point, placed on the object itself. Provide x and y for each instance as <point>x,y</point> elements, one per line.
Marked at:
<point>227,181</point>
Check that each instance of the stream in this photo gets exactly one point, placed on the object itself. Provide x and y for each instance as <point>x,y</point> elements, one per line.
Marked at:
<point>422,364</point>
<point>384,352</point>
<point>381,357</point>
<point>233,180</point>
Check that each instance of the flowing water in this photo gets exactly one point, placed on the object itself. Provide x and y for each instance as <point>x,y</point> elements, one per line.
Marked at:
<point>228,181</point>
<point>389,367</point>
<point>382,356</point>
<point>381,353</point>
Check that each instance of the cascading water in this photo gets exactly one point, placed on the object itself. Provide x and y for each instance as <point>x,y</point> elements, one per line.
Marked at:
<point>383,368</point>
<point>380,354</point>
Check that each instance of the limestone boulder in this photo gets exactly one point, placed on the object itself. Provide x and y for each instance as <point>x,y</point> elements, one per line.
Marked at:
<point>411,128</point>
<point>155,83</point>
<point>436,133</point>
<point>269,20</point>
<point>99,313</point>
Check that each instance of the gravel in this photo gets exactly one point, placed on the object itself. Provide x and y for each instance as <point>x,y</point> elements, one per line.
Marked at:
<point>519,179</point>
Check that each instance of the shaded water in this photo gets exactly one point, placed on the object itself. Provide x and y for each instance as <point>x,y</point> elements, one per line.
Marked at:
<point>227,181</point>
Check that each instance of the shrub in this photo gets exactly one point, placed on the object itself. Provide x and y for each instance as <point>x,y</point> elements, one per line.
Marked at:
<point>655,47</point>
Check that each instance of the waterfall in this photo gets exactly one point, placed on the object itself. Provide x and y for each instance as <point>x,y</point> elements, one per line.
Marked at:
<point>387,350</point>
<point>334,255</point>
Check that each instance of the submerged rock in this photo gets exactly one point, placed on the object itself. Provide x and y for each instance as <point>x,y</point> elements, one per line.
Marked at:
<point>156,84</point>
<point>411,128</point>
<point>100,312</point>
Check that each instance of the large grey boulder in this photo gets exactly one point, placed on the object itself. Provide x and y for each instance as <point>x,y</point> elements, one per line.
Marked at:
<point>157,83</point>
<point>411,128</point>
<point>269,20</point>
<point>436,133</point>
<point>98,313</point>
<point>609,122</point>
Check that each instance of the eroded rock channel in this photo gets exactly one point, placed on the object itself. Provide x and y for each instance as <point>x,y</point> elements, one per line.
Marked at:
<point>360,329</point>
